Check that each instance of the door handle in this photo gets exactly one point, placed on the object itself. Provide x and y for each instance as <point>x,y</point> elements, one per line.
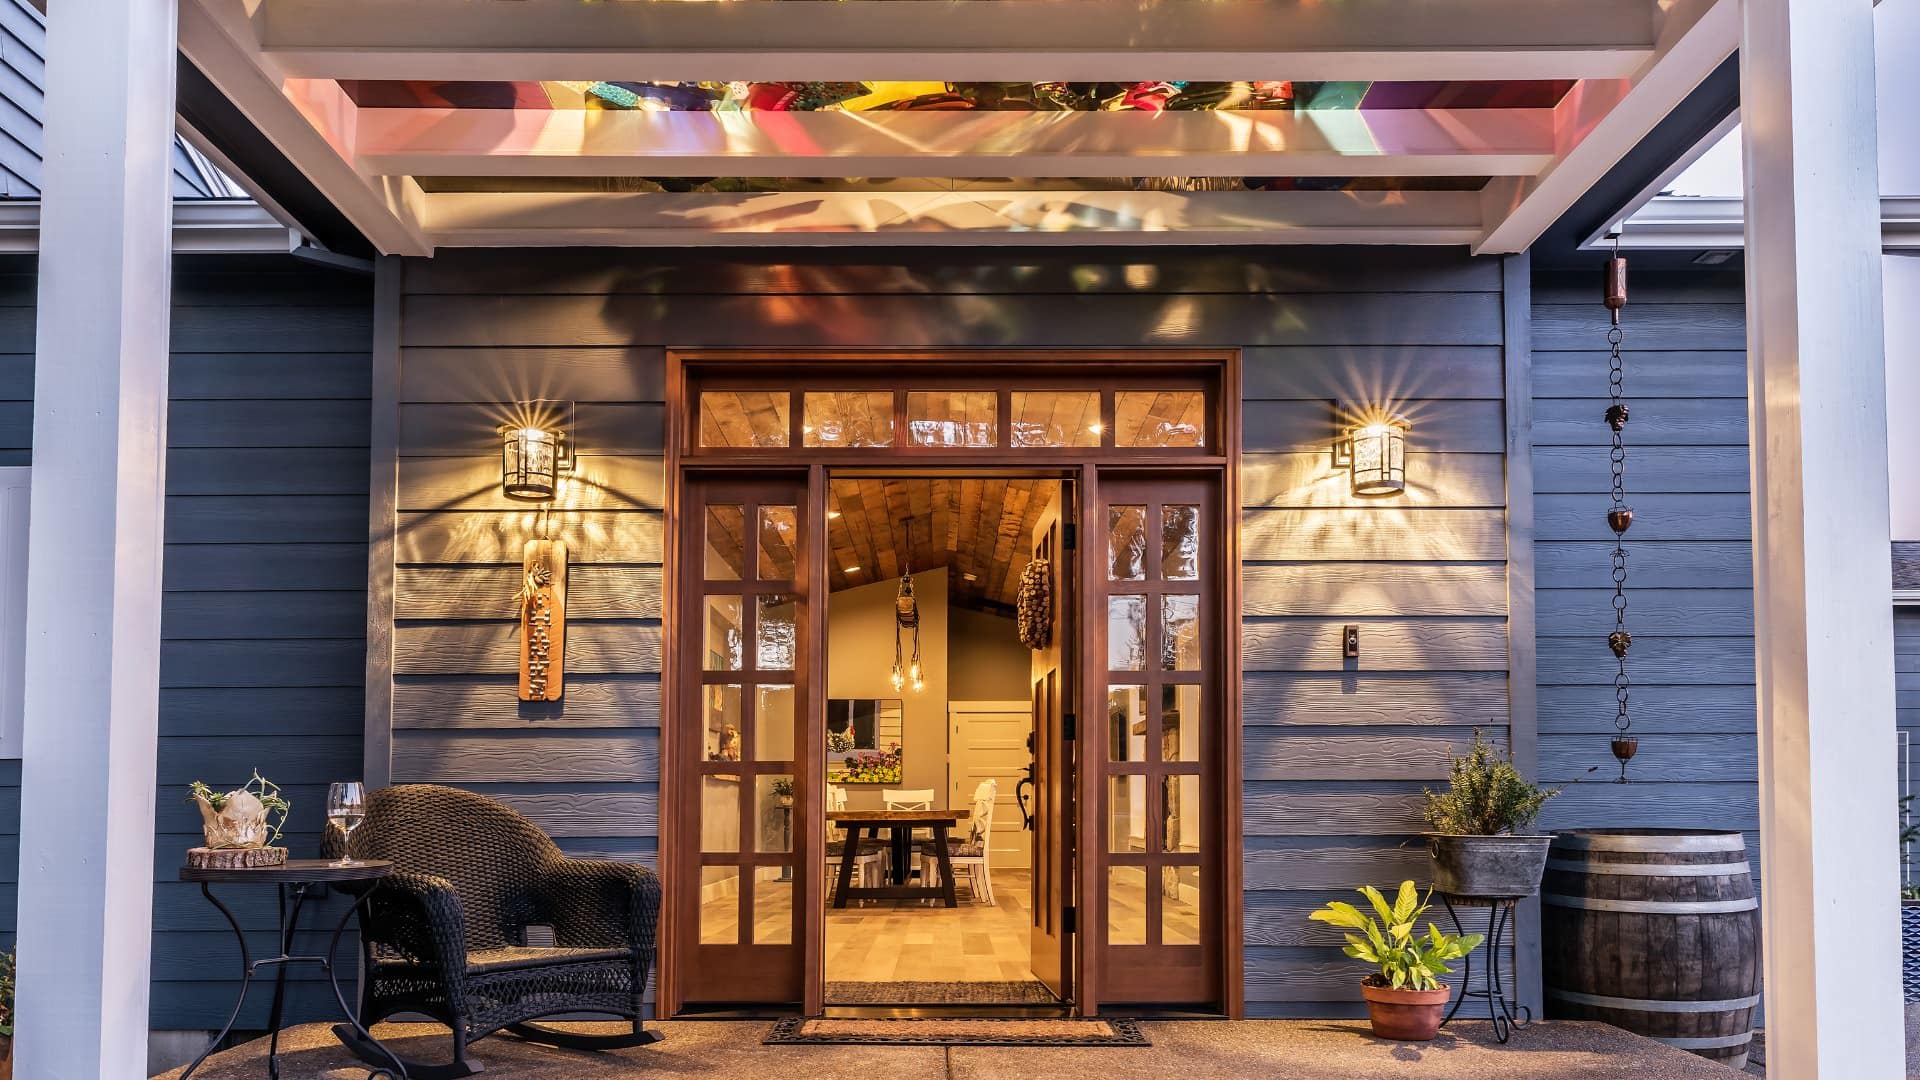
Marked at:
<point>1020,789</point>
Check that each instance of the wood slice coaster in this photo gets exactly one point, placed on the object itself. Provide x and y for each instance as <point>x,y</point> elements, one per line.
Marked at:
<point>236,858</point>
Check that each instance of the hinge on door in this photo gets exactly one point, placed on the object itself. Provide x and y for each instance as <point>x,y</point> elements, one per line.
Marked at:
<point>1067,726</point>
<point>1069,919</point>
<point>1069,535</point>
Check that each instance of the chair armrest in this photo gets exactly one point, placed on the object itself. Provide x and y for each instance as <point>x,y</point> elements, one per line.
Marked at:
<point>419,917</point>
<point>597,903</point>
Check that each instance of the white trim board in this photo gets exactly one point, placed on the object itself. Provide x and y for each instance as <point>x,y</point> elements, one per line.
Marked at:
<point>200,227</point>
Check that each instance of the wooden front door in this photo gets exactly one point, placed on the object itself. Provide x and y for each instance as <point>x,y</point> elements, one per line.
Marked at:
<point>1051,940</point>
<point>738,788</point>
<point>1157,745</point>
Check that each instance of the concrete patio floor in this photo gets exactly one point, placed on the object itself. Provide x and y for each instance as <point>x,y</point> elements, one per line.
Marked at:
<point>1193,1050</point>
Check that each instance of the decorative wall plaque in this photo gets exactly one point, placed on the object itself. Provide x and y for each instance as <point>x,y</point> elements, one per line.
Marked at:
<point>543,620</point>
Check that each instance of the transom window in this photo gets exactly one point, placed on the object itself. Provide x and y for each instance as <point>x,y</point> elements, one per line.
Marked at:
<point>1143,415</point>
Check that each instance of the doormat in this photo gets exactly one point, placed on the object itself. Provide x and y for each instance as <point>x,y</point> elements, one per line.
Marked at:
<point>1028,992</point>
<point>797,1030</point>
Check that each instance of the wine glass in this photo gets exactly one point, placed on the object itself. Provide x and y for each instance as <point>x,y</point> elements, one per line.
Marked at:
<point>346,808</point>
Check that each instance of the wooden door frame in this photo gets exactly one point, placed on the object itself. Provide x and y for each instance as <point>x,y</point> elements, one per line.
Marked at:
<point>1221,367</point>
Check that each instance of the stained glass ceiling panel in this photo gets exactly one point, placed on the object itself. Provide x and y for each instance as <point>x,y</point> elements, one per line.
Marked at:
<point>943,96</point>
<point>624,185</point>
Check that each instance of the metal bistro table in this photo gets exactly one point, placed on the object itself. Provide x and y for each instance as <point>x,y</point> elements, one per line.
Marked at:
<point>902,823</point>
<point>294,881</point>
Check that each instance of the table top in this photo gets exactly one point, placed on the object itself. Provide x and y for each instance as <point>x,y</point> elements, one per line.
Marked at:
<point>292,872</point>
<point>893,817</point>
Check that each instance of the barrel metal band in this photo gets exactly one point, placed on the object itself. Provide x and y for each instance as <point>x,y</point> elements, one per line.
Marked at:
<point>1601,1001</point>
<point>1719,869</point>
<point>1652,907</point>
<point>1703,1042</point>
<point>1692,842</point>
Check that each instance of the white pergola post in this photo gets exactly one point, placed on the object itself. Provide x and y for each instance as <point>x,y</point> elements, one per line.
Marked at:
<point>1828,834</point>
<point>94,549</point>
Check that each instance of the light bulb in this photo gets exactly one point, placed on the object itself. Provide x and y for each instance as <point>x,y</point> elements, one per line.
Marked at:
<point>919,686</point>
<point>916,673</point>
<point>899,680</point>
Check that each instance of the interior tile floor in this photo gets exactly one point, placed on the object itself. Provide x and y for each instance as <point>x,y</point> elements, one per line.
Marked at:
<point>917,941</point>
<point>1190,1050</point>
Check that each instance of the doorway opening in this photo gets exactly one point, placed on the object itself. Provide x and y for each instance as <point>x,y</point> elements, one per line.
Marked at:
<point>800,480</point>
<point>938,709</point>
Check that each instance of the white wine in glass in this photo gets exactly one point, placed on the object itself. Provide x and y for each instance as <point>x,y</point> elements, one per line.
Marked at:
<point>346,809</point>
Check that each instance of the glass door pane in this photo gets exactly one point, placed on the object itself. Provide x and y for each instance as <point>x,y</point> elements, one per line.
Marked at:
<point>743,657</point>
<point>1160,782</point>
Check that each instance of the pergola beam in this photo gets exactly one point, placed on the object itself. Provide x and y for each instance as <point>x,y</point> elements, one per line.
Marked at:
<point>957,40</point>
<point>1602,121</point>
<point>224,51</point>
<point>577,142</point>
<point>1039,217</point>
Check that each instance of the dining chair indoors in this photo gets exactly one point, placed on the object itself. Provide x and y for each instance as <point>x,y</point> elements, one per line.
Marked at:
<point>971,852</point>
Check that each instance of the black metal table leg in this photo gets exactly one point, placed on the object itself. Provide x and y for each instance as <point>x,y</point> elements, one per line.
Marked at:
<point>399,1070</point>
<point>289,920</point>
<point>246,981</point>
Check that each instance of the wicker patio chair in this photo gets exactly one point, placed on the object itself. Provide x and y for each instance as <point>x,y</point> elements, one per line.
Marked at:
<point>447,935</point>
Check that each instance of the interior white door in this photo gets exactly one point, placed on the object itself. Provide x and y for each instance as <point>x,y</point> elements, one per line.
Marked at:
<point>989,739</point>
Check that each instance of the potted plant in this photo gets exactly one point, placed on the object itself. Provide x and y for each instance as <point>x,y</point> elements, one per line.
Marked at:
<point>783,790</point>
<point>1477,847</point>
<point>239,826</point>
<point>6,1015</point>
<point>1909,905</point>
<point>1405,996</point>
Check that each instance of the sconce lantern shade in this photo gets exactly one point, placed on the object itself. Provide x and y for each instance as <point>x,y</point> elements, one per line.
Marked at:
<point>530,463</point>
<point>1377,456</point>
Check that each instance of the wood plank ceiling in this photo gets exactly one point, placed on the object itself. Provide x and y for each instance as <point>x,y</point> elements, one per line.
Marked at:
<point>977,528</point>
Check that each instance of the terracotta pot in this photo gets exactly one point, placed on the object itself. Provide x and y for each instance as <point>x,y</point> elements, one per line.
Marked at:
<point>1405,1015</point>
<point>6,1057</point>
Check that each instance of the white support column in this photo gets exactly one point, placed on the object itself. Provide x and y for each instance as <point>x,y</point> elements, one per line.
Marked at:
<point>93,591</point>
<point>1828,847</point>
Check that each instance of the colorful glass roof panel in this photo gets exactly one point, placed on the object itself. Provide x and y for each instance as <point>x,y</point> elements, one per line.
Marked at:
<point>943,96</point>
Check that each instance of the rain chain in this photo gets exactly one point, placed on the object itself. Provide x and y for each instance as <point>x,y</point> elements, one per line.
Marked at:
<point>1619,515</point>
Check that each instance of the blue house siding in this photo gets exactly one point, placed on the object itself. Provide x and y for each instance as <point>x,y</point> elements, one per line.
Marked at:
<point>1335,754</point>
<point>1690,588</point>
<point>263,622</point>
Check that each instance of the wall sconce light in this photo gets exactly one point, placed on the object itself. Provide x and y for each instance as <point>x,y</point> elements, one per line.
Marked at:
<point>1376,454</point>
<point>536,450</point>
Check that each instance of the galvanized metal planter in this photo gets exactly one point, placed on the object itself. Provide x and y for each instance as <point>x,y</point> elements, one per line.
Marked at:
<point>1487,866</point>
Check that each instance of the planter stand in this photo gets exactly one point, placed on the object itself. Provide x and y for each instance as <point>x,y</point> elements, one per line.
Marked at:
<point>1505,1014</point>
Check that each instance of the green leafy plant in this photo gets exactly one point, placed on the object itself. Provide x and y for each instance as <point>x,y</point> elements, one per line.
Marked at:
<point>1406,960</point>
<point>783,787</point>
<point>260,788</point>
<point>1909,832</point>
<point>1486,795</point>
<point>6,993</point>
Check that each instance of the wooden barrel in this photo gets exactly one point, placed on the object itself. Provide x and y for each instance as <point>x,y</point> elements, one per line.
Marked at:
<point>1657,932</point>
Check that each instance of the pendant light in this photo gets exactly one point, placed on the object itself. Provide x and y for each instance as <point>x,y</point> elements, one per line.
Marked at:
<point>906,618</point>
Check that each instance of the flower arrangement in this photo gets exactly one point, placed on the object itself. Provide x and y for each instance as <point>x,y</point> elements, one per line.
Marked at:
<point>867,767</point>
